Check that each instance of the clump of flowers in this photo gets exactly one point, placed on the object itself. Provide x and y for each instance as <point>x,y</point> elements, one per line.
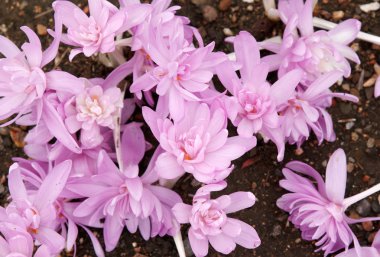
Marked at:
<point>86,149</point>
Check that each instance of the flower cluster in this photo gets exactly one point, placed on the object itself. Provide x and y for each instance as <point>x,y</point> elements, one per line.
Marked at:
<point>86,148</point>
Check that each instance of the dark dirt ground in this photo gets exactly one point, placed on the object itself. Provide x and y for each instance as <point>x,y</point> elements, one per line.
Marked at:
<point>357,125</point>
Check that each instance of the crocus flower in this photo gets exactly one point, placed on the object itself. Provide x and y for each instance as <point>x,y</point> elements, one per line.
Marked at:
<point>319,210</point>
<point>121,196</point>
<point>316,53</point>
<point>19,243</point>
<point>96,33</point>
<point>36,212</point>
<point>372,251</point>
<point>306,111</point>
<point>197,144</point>
<point>92,109</point>
<point>254,102</point>
<point>181,71</point>
<point>22,81</point>
<point>209,222</point>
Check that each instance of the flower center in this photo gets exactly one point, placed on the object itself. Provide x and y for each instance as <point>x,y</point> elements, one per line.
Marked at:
<point>337,211</point>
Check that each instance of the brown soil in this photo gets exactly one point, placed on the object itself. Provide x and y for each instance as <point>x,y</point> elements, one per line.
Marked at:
<point>357,126</point>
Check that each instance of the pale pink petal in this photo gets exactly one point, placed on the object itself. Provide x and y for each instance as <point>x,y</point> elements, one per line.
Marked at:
<point>336,176</point>
<point>8,48</point>
<point>222,243</point>
<point>284,88</point>
<point>54,241</point>
<point>113,227</point>
<point>240,201</point>
<point>132,144</point>
<point>247,53</point>
<point>167,166</point>
<point>53,185</point>
<point>248,237</point>
<point>199,246</point>
<point>182,212</point>
<point>345,32</point>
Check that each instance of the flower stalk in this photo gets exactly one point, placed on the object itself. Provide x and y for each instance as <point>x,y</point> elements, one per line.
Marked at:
<point>356,198</point>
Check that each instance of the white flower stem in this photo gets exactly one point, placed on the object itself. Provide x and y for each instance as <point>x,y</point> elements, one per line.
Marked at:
<point>179,244</point>
<point>323,24</point>
<point>356,198</point>
<point>117,132</point>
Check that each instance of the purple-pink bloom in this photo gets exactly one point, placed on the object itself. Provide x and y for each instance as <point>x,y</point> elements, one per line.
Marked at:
<point>318,210</point>
<point>316,53</point>
<point>209,222</point>
<point>16,242</point>
<point>180,71</point>
<point>36,211</point>
<point>96,33</point>
<point>306,110</point>
<point>254,103</point>
<point>197,144</point>
<point>122,197</point>
<point>22,80</point>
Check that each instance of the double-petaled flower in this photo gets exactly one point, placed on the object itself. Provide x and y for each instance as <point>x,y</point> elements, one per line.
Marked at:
<point>209,222</point>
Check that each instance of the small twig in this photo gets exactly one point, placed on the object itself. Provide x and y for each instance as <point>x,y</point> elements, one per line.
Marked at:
<point>346,120</point>
<point>43,13</point>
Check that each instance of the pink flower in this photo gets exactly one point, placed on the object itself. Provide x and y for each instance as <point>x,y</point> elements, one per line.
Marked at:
<point>316,53</point>
<point>18,243</point>
<point>97,32</point>
<point>373,251</point>
<point>319,210</point>
<point>254,102</point>
<point>307,110</point>
<point>197,144</point>
<point>122,197</point>
<point>209,222</point>
<point>92,109</point>
<point>181,70</point>
<point>36,212</point>
<point>23,81</point>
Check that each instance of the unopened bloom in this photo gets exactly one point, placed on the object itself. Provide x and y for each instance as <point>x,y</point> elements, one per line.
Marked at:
<point>97,32</point>
<point>306,111</point>
<point>197,144</point>
<point>253,106</point>
<point>316,53</point>
<point>209,222</point>
<point>318,210</point>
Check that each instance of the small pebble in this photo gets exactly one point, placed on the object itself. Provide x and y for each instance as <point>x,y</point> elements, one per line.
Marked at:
<point>276,231</point>
<point>224,5</point>
<point>363,208</point>
<point>298,240</point>
<point>337,15</point>
<point>370,7</point>
<point>371,142</point>
<point>250,8</point>
<point>41,30</point>
<point>375,206</point>
<point>199,2</point>
<point>350,167</point>
<point>253,185</point>
<point>368,226</point>
<point>370,82</point>
<point>346,87</point>
<point>209,13</point>
<point>298,151</point>
<point>366,178</point>
<point>228,32</point>
<point>354,136</point>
